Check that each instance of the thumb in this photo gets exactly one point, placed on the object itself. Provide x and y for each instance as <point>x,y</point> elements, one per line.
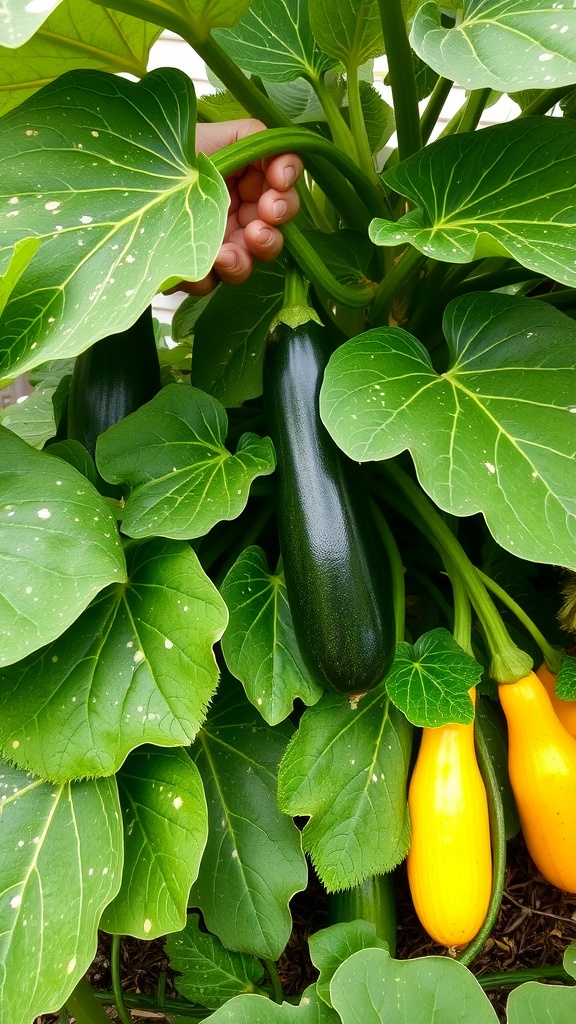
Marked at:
<point>212,137</point>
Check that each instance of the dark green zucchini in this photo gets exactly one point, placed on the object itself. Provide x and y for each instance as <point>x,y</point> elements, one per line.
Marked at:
<point>111,379</point>
<point>374,901</point>
<point>335,563</point>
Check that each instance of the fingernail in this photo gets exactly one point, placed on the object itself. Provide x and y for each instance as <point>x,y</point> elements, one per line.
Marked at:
<point>279,208</point>
<point>264,236</point>
<point>290,176</point>
<point>227,260</point>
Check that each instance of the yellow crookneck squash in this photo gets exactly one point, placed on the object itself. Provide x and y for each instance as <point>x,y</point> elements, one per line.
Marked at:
<point>542,769</point>
<point>449,861</point>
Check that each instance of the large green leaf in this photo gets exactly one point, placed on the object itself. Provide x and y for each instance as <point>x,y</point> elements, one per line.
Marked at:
<point>533,1003</point>
<point>372,988</point>
<point>347,768</point>
<point>331,946</point>
<point>103,172</point>
<point>182,478</point>
<point>252,1009</point>
<point>259,645</point>
<point>500,44</point>
<point>495,433</point>
<point>19,20</point>
<point>504,190</point>
<point>209,973</point>
<point>165,830</point>
<point>15,265</point>
<point>58,547</point>
<point>274,40</point>
<point>191,18</point>
<point>429,681</point>
<point>350,31</point>
<point>230,336</point>
<point>60,864</point>
<point>253,863</point>
<point>136,667</point>
<point>77,34</point>
<point>35,417</point>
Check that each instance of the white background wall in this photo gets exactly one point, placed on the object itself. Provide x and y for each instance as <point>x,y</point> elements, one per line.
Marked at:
<point>171,51</point>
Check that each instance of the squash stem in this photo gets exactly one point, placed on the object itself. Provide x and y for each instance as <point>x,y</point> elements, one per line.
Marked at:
<point>473,109</point>
<point>396,572</point>
<point>551,973</point>
<point>123,1014</point>
<point>462,628</point>
<point>508,663</point>
<point>401,76</point>
<point>553,656</point>
<point>277,990</point>
<point>498,836</point>
<point>388,289</point>
<point>434,107</point>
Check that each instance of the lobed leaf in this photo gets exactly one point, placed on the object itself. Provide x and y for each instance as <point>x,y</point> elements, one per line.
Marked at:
<point>136,667</point>
<point>495,433</point>
<point>182,478</point>
<point>429,681</point>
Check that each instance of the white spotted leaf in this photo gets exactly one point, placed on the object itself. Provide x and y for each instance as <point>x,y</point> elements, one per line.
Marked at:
<point>52,523</point>
<point>60,865</point>
<point>504,45</point>
<point>136,667</point>
<point>495,433</point>
<point>103,172</point>
<point>19,20</point>
<point>172,455</point>
<point>253,863</point>
<point>165,829</point>
<point>506,190</point>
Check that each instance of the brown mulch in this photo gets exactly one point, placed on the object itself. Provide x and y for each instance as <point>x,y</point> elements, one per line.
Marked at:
<point>535,925</point>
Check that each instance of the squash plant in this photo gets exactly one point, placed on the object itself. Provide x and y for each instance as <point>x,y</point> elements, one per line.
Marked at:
<point>159,727</point>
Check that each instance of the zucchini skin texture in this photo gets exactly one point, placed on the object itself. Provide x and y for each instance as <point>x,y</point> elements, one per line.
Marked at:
<point>111,379</point>
<point>335,564</point>
<point>449,861</point>
<point>542,769</point>
<point>373,900</point>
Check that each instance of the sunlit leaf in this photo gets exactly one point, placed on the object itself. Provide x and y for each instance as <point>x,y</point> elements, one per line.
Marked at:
<point>505,190</point>
<point>495,433</point>
<point>20,20</point>
<point>182,478</point>
<point>60,864</point>
<point>429,681</point>
<point>103,172</point>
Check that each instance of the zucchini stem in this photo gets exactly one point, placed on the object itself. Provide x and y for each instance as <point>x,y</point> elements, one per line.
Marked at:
<point>123,1014</point>
<point>553,656</point>
<point>277,991</point>
<point>401,75</point>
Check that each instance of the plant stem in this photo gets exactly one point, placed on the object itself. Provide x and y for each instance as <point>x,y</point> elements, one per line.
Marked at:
<point>546,100</point>
<point>434,107</point>
<point>307,144</point>
<point>341,133</point>
<point>277,991</point>
<point>180,1007</point>
<point>295,289</point>
<point>462,628</point>
<point>125,1017</point>
<point>396,572</point>
<point>552,656</point>
<point>498,837</point>
<point>473,110</point>
<point>357,296</point>
<point>507,662</point>
<point>401,75</point>
<point>84,1005</point>
<point>389,287</point>
<point>564,298</point>
<point>497,980</point>
<point>358,123</point>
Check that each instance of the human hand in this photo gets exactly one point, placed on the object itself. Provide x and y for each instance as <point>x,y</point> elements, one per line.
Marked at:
<point>262,196</point>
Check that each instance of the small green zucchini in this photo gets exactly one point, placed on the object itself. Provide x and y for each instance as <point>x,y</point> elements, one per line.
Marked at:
<point>335,564</point>
<point>374,901</point>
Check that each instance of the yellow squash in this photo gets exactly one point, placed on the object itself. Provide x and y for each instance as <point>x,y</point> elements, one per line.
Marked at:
<point>449,861</point>
<point>565,709</point>
<point>542,769</point>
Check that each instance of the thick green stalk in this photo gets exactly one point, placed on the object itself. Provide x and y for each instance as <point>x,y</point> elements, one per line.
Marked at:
<point>390,286</point>
<point>396,573</point>
<point>401,76</point>
<point>546,100</point>
<point>341,133</point>
<point>318,274</point>
<point>473,110</point>
<point>552,655</point>
<point>84,1006</point>
<point>434,107</point>
<point>121,1010</point>
<point>277,991</point>
<point>507,662</point>
<point>502,978</point>
<point>308,145</point>
<point>358,123</point>
<point>462,627</point>
<point>498,839</point>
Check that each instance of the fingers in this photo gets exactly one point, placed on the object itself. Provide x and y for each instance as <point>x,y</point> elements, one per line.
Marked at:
<point>212,137</point>
<point>283,171</point>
